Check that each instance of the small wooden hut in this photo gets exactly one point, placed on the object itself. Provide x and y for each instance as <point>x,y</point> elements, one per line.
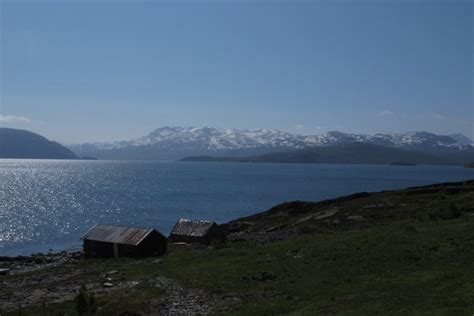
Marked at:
<point>110,241</point>
<point>191,231</point>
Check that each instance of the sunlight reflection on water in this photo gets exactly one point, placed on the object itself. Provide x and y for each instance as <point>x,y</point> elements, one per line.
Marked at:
<point>49,204</point>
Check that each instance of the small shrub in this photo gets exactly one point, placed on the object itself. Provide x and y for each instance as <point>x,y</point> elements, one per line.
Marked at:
<point>85,302</point>
<point>127,313</point>
<point>43,306</point>
<point>454,211</point>
<point>92,304</point>
<point>434,216</point>
<point>82,302</point>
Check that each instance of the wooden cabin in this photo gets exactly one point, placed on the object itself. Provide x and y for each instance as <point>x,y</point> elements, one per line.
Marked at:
<point>110,241</point>
<point>191,231</point>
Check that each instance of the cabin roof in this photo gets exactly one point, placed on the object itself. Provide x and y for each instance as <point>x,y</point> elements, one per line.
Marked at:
<point>195,228</point>
<point>117,234</point>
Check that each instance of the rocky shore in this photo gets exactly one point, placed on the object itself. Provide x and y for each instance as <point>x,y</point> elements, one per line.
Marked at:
<point>22,264</point>
<point>55,278</point>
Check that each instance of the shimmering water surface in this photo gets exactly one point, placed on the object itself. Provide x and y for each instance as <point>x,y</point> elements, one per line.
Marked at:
<point>47,204</point>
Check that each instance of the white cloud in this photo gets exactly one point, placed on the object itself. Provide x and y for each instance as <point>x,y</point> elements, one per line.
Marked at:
<point>386,113</point>
<point>13,119</point>
<point>299,126</point>
<point>438,116</point>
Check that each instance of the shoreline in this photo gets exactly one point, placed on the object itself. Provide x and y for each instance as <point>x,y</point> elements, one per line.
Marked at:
<point>77,247</point>
<point>304,183</point>
<point>292,256</point>
<point>54,255</point>
<point>37,261</point>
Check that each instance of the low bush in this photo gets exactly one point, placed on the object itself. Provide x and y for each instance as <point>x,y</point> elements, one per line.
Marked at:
<point>85,302</point>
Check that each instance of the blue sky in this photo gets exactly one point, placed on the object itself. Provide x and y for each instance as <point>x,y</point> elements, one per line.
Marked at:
<point>79,71</point>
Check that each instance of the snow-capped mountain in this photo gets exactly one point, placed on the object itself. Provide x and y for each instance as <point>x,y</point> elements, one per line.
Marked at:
<point>461,139</point>
<point>177,142</point>
<point>218,139</point>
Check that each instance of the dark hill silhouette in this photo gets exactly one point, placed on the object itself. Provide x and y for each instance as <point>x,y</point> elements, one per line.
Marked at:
<point>16,143</point>
<point>354,153</point>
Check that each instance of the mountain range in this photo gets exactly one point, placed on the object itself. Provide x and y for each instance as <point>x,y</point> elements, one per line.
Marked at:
<point>171,143</point>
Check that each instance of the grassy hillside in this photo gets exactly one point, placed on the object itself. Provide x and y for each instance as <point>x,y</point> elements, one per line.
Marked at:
<point>399,252</point>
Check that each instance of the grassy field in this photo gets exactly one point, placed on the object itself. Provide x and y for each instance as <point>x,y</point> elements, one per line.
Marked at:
<point>406,253</point>
<point>389,269</point>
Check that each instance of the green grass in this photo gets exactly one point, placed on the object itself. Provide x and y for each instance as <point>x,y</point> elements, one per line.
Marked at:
<point>382,270</point>
<point>413,257</point>
<point>379,270</point>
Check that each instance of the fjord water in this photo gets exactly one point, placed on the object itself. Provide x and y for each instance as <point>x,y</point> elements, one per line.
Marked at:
<point>47,204</point>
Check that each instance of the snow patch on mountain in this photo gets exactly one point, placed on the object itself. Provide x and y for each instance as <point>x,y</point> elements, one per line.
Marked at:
<point>217,139</point>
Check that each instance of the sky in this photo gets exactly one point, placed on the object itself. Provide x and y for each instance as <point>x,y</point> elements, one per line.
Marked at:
<point>103,70</point>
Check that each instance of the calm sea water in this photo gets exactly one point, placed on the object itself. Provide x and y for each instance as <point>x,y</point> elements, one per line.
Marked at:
<point>47,204</point>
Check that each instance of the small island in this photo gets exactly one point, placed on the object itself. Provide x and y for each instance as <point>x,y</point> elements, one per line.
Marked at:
<point>401,163</point>
<point>470,165</point>
<point>89,158</point>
